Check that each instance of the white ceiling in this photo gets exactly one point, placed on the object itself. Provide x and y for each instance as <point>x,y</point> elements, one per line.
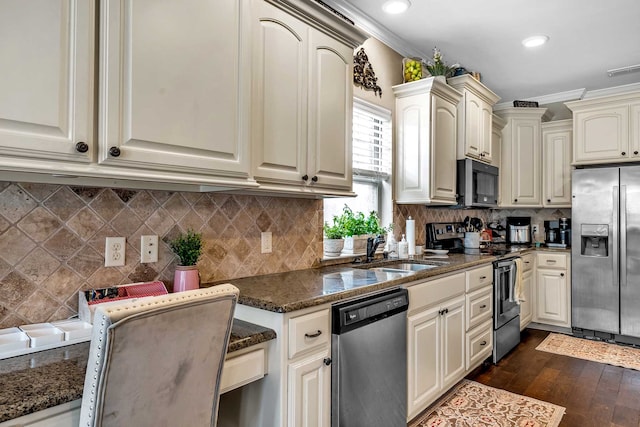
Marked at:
<point>587,38</point>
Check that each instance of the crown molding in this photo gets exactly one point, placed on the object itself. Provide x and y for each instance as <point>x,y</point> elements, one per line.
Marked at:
<point>375,29</point>
<point>616,90</point>
<point>570,95</point>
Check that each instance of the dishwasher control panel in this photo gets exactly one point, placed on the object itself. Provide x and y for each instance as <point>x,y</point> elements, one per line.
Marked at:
<point>348,315</point>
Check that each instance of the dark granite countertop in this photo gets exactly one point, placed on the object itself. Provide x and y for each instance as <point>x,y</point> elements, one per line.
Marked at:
<point>295,290</point>
<point>38,381</point>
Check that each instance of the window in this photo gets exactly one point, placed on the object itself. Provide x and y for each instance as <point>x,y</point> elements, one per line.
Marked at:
<point>371,164</point>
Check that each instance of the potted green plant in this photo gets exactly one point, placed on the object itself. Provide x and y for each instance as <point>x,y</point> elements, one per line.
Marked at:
<point>188,247</point>
<point>438,67</point>
<point>333,241</point>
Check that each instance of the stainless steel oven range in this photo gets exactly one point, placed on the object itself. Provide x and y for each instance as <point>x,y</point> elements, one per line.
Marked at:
<point>506,311</point>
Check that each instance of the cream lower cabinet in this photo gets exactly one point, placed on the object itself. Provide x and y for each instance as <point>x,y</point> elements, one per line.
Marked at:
<point>553,290</point>
<point>425,142</point>
<point>557,144</point>
<point>606,129</point>
<point>435,339</point>
<point>526,295</point>
<point>297,391</point>
<point>302,104</point>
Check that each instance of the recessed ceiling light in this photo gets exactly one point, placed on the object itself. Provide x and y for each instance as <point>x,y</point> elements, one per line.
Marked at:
<point>394,7</point>
<point>535,41</point>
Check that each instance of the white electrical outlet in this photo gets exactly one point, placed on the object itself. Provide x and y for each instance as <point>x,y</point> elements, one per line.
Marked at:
<point>266,242</point>
<point>114,252</point>
<point>148,249</point>
<point>535,228</point>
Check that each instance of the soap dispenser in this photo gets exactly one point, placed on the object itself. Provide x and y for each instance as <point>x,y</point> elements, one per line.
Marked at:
<point>403,248</point>
<point>392,246</point>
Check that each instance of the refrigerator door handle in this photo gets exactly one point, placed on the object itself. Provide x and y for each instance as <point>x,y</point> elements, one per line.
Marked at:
<point>623,236</point>
<point>614,235</point>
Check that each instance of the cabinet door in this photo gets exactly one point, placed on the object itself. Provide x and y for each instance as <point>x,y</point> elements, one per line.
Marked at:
<point>486,149</point>
<point>473,125</point>
<point>525,163</point>
<point>423,359</point>
<point>453,337</point>
<point>279,103</point>
<point>46,58</point>
<point>310,392</point>
<point>634,137</point>
<point>526,303</point>
<point>330,112</point>
<point>551,298</point>
<point>443,150</point>
<point>556,160</point>
<point>174,92</point>
<point>601,135</point>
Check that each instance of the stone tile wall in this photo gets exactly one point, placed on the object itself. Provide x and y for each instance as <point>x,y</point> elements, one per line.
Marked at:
<point>52,240</point>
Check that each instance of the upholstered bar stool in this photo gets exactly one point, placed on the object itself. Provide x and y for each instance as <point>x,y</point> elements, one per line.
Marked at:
<point>157,361</point>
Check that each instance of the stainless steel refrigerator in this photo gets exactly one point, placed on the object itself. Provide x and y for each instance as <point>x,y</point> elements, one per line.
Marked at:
<point>605,253</point>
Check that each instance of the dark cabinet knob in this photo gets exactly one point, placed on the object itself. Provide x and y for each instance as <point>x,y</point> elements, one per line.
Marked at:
<point>82,147</point>
<point>635,153</point>
<point>548,200</point>
<point>624,153</point>
<point>515,200</point>
<point>305,178</point>
<point>561,274</point>
<point>314,179</point>
<point>327,361</point>
<point>483,306</point>
<point>114,151</point>
<point>483,343</point>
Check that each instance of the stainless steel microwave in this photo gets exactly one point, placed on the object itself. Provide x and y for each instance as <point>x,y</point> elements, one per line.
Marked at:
<point>477,184</point>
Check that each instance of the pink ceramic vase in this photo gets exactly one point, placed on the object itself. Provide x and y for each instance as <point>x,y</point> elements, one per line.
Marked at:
<point>186,278</point>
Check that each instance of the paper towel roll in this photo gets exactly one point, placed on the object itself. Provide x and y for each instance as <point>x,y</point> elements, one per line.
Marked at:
<point>411,235</point>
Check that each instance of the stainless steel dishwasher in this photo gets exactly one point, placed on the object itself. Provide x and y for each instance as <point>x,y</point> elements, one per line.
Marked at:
<point>369,369</point>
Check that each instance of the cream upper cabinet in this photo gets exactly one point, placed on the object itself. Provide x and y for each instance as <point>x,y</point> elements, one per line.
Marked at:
<point>521,157</point>
<point>556,163</point>
<point>174,91</point>
<point>46,89</point>
<point>425,142</point>
<point>498,123</point>
<point>475,112</point>
<point>302,104</point>
<point>606,129</point>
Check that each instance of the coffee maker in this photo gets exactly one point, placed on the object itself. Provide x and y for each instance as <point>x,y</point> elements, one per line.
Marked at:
<point>558,232</point>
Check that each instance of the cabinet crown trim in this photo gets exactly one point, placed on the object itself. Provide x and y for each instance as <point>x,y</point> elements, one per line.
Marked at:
<point>522,113</point>
<point>467,82</point>
<point>430,85</point>
<point>624,98</point>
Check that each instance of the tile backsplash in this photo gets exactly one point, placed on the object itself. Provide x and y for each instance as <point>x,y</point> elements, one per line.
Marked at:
<point>52,240</point>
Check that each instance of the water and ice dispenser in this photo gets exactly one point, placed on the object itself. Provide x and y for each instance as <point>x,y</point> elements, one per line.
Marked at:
<point>594,240</point>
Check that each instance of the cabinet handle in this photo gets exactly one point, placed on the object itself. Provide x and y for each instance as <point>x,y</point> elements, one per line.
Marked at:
<point>314,179</point>
<point>635,153</point>
<point>483,306</point>
<point>305,178</point>
<point>316,335</point>
<point>483,277</point>
<point>561,274</point>
<point>483,343</point>
<point>624,153</point>
<point>446,310</point>
<point>327,361</point>
<point>114,151</point>
<point>82,147</point>
<point>515,200</point>
<point>548,200</point>
<point>551,261</point>
<point>527,262</point>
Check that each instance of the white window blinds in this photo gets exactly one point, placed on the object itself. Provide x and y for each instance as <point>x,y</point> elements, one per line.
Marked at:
<point>371,141</point>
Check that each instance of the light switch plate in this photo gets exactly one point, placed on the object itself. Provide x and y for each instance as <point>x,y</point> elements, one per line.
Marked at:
<point>114,251</point>
<point>148,249</point>
<point>266,247</point>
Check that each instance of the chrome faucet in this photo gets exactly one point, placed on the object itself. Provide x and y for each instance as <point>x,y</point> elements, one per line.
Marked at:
<point>372,246</point>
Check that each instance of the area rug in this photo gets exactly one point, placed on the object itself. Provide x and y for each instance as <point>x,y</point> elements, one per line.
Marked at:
<point>474,404</point>
<point>596,351</point>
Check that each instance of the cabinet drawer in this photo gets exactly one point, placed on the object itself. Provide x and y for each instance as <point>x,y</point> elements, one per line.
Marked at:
<point>479,306</point>
<point>240,370</point>
<point>527,262</point>
<point>552,261</point>
<point>479,278</point>
<point>434,291</point>
<point>308,331</point>
<point>479,344</point>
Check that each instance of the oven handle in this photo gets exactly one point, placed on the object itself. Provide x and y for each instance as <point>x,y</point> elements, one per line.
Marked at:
<point>512,286</point>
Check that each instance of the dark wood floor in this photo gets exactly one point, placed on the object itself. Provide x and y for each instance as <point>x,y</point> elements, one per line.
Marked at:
<point>593,394</point>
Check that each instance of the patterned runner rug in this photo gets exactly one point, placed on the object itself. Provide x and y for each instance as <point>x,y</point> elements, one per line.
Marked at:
<point>474,404</point>
<point>596,351</point>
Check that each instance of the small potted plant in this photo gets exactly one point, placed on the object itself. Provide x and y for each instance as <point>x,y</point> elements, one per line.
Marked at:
<point>333,241</point>
<point>354,225</point>
<point>438,67</point>
<point>188,247</point>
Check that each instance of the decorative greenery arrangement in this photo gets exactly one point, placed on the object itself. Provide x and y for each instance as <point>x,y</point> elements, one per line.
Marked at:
<point>188,247</point>
<point>353,224</point>
<point>438,67</point>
